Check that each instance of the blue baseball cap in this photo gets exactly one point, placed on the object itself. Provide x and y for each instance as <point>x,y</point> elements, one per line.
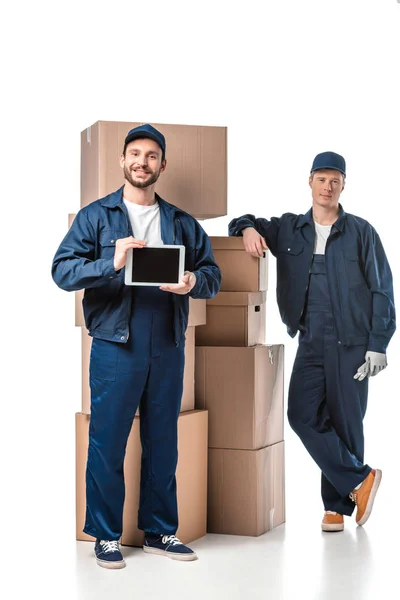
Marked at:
<point>329,160</point>
<point>146,131</point>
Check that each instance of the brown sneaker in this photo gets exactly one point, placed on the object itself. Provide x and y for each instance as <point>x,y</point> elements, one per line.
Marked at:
<point>332,521</point>
<point>364,497</point>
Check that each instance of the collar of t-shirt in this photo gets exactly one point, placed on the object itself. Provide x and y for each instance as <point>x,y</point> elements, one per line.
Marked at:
<point>141,208</point>
<point>145,222</point>
<point>322,234</point>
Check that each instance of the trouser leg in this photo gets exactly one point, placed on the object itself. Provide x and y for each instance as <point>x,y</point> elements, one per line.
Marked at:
<point>346,400</point>
<point>159,411</point>
<point>118,374</point>
<point>309,415</point>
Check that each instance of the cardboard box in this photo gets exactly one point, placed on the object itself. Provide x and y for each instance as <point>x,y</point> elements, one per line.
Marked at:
<point>191,478</point>
<point>241,272</point>
<point>79,318</point>
<point>246,490</point>
<point>71,217</point>
<point>242,388</point>
<point>234,319</point>
<point>188,374</point>
<point>86,346</point>
<point>195,178</point>
<point>197,312</point>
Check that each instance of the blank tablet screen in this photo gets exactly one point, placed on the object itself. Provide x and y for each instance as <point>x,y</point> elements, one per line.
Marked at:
<point>154,265</point>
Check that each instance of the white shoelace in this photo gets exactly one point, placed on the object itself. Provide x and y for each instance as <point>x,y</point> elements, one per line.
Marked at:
<point>171,539</point>
<point>111,546</point>
<point>353,496</point>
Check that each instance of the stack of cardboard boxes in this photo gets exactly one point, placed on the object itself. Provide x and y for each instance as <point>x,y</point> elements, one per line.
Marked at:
<point>238,388</point>
<point>240,381</point>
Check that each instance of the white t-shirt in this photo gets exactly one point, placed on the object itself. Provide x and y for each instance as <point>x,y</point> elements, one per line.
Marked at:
<point>145,221</point>
<point>322,232</point>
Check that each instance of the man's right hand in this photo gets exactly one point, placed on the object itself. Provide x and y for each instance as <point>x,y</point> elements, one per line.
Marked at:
<point>253,242</point>
<point>121,248</point>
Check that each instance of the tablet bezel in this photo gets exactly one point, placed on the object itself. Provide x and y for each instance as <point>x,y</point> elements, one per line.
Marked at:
<point>129,265</point>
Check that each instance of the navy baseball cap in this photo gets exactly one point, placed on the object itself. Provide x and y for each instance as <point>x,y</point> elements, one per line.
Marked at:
<point>329,160</point>
<point>146,131</point>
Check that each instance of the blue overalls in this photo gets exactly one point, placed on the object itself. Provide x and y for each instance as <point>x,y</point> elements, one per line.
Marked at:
<point>147,371</point>
<point>326,405</point>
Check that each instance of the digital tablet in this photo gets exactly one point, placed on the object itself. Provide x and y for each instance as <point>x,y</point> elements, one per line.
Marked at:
<point>155,265</point>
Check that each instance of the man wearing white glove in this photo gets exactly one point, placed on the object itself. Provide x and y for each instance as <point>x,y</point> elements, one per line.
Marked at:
<point>375,362</point>
<point>334,286</point>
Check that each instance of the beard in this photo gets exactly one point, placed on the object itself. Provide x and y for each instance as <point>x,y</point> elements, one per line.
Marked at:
<point>138,183</point>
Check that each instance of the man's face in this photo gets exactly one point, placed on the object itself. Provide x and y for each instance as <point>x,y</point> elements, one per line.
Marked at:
<point>326,187</point>
<point>142,163</point>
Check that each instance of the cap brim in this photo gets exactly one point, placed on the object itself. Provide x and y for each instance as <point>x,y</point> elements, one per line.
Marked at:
<point>330,168</point>
<point>141,135</point>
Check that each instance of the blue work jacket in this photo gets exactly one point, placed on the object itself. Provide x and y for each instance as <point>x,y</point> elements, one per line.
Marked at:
<point>85,260</point>
<point>358,273</point>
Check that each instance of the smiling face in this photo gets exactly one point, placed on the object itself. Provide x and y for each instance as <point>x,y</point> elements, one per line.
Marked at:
<point>326,186</point>
<point>142,162</point>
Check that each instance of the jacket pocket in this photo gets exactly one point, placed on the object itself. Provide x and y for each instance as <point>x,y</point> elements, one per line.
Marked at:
<point>289,258</point>
<point>353,268</point>
<point>359,310</point>
<point>290,248</point>
<point>108,238</point>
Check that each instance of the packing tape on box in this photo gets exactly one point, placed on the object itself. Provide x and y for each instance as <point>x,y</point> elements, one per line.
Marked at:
<point>89,135</point>
<point>271,518</point>
<point>271,354</point>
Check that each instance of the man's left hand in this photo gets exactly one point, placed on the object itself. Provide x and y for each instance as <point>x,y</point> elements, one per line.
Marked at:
<point>375,362</point>
<point>187,283</point>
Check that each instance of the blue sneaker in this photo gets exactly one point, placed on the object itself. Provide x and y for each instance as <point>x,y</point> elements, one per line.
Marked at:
<point>167,545</point>
<point>108,554</point>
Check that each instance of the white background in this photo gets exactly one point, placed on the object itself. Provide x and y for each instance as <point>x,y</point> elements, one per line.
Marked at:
<point>289,79</point>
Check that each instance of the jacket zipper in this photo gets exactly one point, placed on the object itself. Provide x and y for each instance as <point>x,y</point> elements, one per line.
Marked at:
<point>174,299</point>
<point>129,229</point>
<point>338,290</point>
<point>308,281</point>
<point>340,303</point>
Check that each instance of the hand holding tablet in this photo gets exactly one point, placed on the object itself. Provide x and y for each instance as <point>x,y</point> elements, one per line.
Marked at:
<point>155,266</point>
<point>121,248</point>
<point>187,283</point>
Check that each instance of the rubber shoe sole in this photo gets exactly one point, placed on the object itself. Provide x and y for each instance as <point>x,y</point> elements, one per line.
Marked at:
<point>332,526</point>
<point>110,564</point>
<point>174,556</point>
<point>370,503</point>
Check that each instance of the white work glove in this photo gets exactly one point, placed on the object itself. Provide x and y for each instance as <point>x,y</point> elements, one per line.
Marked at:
<point>375,363</point>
